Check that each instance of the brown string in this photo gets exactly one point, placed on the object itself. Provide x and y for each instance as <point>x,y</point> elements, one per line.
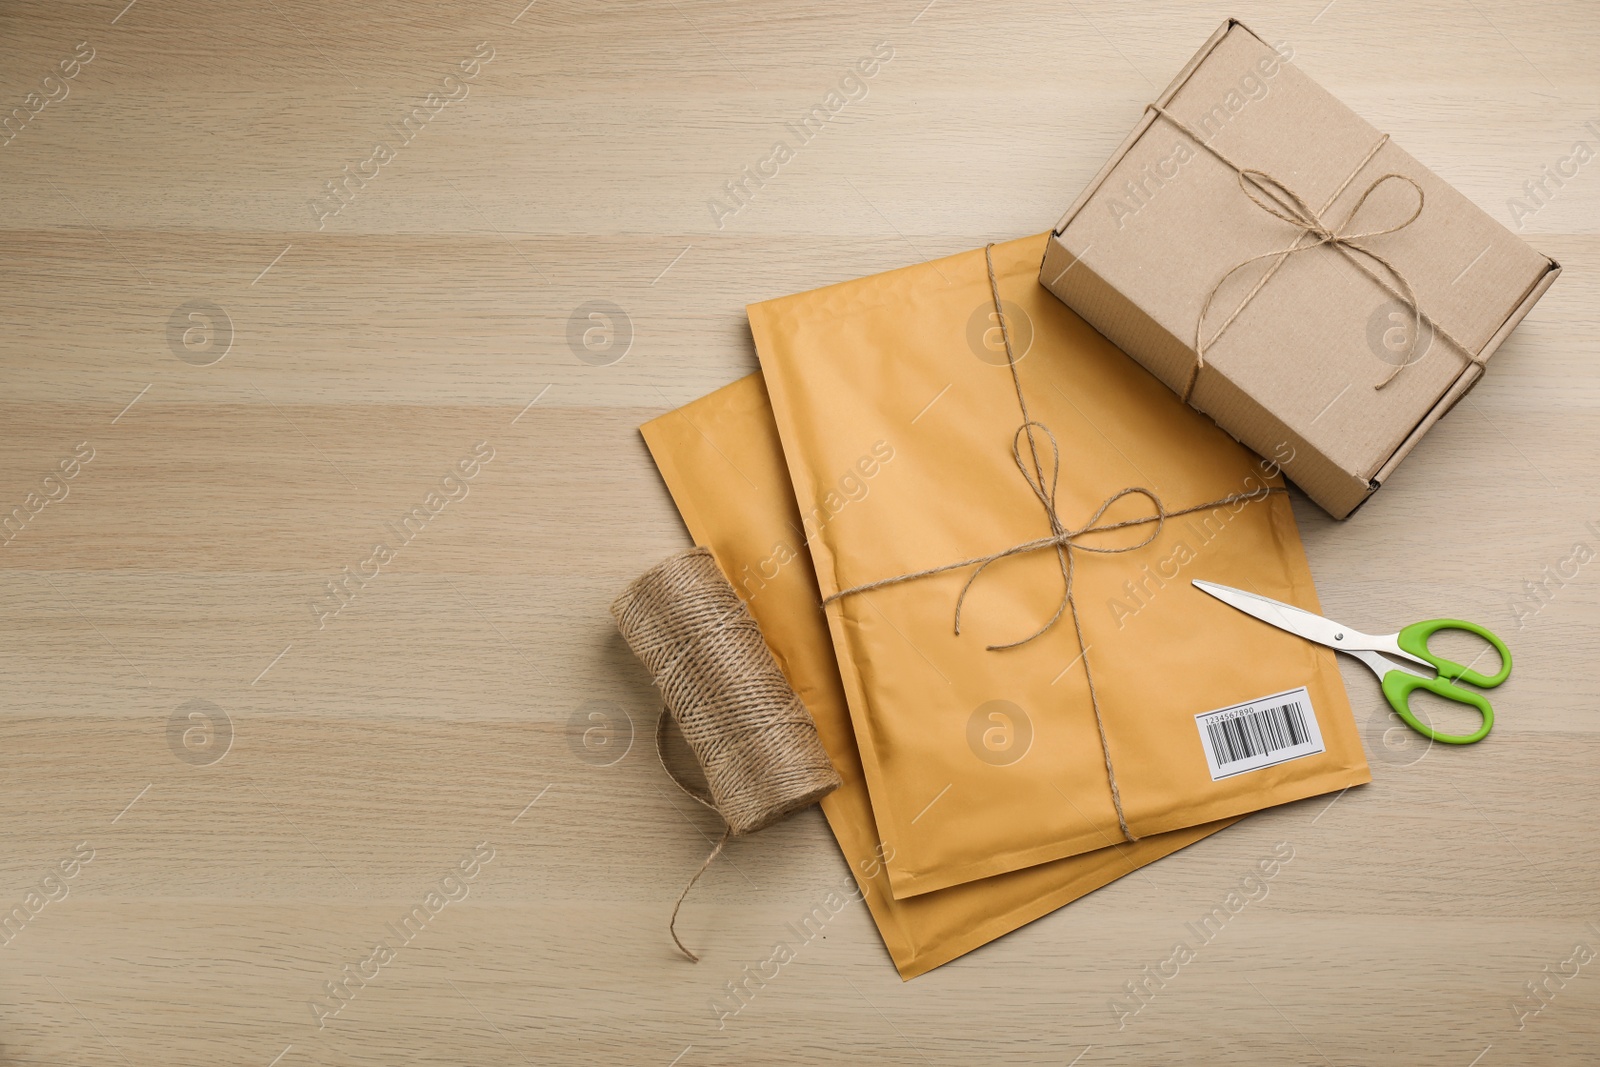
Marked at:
<point>750,733</point>
<point>699,798</point>
<point>1277,199</point>
<point>1064,540</point>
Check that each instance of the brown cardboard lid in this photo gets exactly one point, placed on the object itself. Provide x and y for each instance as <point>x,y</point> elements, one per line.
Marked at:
<point>1170,219</point>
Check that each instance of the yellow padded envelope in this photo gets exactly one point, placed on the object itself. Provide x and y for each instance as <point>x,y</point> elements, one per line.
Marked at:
<point>981,762</point>
<point>723,465</point>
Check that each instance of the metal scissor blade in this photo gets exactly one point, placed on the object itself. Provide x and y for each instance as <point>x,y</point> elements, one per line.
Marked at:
<point>1284,616</point>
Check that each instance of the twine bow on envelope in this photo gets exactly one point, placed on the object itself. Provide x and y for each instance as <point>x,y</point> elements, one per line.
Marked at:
<point>1063,539</point>
<point>1277,199</point>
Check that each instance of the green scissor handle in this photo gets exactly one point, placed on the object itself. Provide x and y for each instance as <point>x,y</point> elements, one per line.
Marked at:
<point>1398,685</point>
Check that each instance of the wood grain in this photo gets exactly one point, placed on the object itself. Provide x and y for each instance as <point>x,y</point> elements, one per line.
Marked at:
<point>368,752</point>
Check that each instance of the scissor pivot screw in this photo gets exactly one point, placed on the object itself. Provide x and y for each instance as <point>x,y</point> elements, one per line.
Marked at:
<point>1338,637</point>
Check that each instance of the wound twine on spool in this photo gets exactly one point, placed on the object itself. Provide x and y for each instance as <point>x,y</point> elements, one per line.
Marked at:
<point>750,733</point>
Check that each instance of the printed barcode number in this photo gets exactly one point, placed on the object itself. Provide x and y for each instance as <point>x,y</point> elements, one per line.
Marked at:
<point>1260,733</point>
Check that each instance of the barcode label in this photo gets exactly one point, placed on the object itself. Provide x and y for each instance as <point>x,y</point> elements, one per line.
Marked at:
<point>1261,733</point>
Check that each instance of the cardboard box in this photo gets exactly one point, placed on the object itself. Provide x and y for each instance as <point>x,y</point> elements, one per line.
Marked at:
<point>1297,346</point>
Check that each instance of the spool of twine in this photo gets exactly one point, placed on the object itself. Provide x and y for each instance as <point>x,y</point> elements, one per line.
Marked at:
<point>751,735</point>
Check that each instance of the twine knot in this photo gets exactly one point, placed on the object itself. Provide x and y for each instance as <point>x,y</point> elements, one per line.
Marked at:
<point>1062,539</point>
<point>1274,197</point>
<point>1279,201</point>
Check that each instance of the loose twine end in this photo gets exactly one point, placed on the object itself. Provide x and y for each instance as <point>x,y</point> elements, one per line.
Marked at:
<point>699,798</point>
<point>672,924</point>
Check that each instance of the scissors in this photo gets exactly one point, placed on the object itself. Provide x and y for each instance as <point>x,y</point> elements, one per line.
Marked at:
<point>1399,679</point>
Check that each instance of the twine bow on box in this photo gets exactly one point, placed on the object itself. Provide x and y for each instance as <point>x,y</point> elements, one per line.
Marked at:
<point>1277,199</point>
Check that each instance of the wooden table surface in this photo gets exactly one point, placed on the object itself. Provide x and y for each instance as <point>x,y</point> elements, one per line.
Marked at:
<point>239,344</point>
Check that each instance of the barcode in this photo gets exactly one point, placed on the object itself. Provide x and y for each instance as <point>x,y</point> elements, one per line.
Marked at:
<point>1267,730</point>
<point>1259,733</point>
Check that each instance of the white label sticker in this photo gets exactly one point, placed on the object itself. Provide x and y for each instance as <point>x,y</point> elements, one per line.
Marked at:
<point>1261,733</point>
